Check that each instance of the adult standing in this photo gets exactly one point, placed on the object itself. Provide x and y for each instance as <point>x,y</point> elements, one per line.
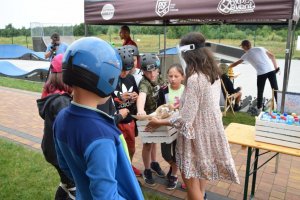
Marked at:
<point>265,65</point>
<point>202,150</point>
<point>125,36</point>
<point>55,47</point>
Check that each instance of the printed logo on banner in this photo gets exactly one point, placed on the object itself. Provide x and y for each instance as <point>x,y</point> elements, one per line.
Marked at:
<point>162,7</point>
<point>107,11</point>
<point>228,7</point>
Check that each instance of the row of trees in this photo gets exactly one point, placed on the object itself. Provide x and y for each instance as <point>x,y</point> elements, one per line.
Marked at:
<point>260,32</point>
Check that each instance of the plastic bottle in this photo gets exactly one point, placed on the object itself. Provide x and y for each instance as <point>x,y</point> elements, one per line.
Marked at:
<point>289,119</point>
<point>265,117</point>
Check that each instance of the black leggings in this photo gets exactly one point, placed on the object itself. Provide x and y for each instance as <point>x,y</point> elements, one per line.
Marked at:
<point>63,178</point>
<point>261,81</point>
<point>168,151</point>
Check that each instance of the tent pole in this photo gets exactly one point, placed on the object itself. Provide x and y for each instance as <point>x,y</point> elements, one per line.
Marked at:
<point>165,46</point>
<point>292,49</point>
<point>85,30</point>
<point>286,64</point>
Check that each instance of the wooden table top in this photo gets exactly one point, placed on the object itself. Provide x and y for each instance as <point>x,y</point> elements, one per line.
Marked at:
<point>244,135</point>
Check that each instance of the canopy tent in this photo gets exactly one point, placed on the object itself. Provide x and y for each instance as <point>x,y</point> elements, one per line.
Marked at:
<point>179,12</point>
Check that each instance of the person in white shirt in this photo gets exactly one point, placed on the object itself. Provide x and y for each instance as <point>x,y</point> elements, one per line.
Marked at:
<point>265,65</point>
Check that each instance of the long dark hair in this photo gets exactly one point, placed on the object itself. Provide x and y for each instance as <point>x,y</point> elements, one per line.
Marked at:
<point>201,59</point>
<point>55,83</point>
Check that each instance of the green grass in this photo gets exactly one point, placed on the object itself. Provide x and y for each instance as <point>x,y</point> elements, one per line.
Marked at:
<point>240,117</point>
<point>25,174</point>
<point>21,84</point>
<point>152,43</point>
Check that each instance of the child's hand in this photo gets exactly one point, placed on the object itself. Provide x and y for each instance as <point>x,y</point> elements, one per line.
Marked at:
<point>126,96</point>
<point>153,124</point>
<point>124,112</point>
<point>134,96</point>
<point>142,113</point>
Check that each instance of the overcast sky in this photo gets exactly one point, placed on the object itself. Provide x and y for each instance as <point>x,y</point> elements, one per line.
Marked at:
<point>22,12</point>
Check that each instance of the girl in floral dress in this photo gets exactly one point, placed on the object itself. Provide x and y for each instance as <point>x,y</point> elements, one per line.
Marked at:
<point>202,151</point>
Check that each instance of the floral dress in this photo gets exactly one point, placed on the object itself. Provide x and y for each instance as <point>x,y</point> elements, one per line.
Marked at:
<point>202,149</point>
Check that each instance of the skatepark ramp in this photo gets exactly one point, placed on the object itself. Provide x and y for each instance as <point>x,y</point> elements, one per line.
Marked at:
<point>24,69</point>
<point>14,51</point>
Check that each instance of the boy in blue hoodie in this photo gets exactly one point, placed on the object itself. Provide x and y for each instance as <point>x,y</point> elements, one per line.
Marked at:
<point>89,146</point>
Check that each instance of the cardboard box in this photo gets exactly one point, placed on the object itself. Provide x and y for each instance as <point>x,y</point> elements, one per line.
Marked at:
<point>162,134</point>
<point>277,133</point>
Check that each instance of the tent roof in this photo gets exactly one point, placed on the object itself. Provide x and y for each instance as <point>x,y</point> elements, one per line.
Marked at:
<point>180,12</point>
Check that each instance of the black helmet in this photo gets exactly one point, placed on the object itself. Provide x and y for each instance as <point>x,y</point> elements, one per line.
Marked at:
<point>132,49</point>
<point>126,57</point>
<point>92,64</point>
<point>149,61</point>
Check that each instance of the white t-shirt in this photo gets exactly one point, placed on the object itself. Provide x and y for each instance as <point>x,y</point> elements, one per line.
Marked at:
<point>258,58</point>
<point>138,75</point>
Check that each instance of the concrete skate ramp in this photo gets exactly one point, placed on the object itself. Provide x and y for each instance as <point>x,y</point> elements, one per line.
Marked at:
<point>13,51</point>
<point>38,44</point>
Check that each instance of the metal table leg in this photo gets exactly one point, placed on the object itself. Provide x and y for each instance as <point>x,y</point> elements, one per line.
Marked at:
<point>247,172</point>
<point>254,174</point>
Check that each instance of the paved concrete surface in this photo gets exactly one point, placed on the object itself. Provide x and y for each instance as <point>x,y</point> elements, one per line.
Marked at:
<point>20,122</point>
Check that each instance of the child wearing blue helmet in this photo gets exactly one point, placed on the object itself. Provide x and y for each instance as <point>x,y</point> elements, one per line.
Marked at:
<point>89,146</point>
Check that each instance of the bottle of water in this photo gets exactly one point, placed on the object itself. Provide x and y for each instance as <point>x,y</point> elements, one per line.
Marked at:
<point>289,119</point>
<point>265,117</point>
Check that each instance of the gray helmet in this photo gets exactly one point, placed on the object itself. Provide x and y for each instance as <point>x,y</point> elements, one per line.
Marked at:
<point>126,57</point>
<point>132,49</point>
<point>149,61</point>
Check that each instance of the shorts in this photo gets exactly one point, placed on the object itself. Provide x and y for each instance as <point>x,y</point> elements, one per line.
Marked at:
<point>128,131</point>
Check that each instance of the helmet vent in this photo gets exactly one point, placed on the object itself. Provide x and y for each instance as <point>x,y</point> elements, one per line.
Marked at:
<point>111,81</point>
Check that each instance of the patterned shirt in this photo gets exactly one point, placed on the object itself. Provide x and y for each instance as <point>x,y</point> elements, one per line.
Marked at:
<point>151,89</point>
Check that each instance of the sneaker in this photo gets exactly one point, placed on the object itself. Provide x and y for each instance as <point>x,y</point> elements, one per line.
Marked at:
<point>172,183</point>
<point>70,189</point>
<point>205,196</point>
<point>136,171</point>
<point>147,175</point>
<point>72,193</point>
<point>156,168</point>
<point>60,194</point>
<point>169,173</point>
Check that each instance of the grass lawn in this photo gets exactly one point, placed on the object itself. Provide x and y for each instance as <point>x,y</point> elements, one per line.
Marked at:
<point>152,43</point>
<point>21,84</point>
<point>25,174</point>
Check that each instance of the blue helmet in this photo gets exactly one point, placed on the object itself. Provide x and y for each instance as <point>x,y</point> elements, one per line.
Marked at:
<point>92,64</point>
<point>149,61</point>
<point>126,57</point>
